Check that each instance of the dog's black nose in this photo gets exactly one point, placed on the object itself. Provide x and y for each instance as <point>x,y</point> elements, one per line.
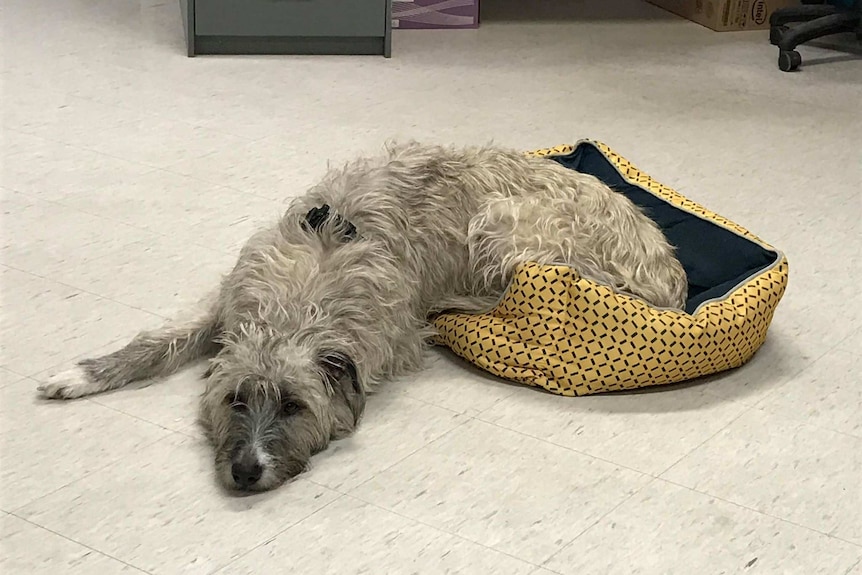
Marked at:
<point>246,472</point>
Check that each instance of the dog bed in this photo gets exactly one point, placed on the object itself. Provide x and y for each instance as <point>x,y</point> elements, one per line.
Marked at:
<point>571,336</point>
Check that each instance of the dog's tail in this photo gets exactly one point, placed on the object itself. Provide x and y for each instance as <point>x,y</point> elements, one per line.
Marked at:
<point>150,354</point>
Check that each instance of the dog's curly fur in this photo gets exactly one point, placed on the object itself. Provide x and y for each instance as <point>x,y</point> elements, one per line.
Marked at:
<point>307,323</point>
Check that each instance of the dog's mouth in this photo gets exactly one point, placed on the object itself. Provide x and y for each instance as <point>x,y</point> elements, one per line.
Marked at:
<point>252,477</point>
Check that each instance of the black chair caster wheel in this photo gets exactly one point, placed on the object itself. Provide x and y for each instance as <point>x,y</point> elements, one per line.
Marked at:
<point>776,33</point>
<point>789,60</point>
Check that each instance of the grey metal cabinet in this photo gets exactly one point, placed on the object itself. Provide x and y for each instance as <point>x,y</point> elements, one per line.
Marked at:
<point>287,26</point>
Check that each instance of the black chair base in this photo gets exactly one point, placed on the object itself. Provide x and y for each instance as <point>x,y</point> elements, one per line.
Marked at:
<point>816,21</point>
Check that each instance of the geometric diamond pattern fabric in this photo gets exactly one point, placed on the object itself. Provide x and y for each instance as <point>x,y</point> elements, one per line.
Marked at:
<point>571,336</point>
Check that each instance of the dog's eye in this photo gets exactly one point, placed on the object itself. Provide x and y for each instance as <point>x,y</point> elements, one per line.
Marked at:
<point>235,402</point>
<point>289,408</point>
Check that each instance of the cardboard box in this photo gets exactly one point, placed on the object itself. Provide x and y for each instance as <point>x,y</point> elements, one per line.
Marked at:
<point>726,15</point>
<point>418,14</point>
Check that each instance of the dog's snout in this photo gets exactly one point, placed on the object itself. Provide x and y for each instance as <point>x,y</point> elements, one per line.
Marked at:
<point>246,472</point>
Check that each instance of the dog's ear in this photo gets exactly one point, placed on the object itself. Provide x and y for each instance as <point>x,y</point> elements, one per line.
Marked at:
<point>340,375</point>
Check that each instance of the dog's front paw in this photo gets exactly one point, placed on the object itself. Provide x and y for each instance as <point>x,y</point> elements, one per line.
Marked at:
<point>68,384</point>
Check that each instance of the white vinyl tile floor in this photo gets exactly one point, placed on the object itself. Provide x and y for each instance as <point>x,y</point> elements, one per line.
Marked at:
<point>130,175</point>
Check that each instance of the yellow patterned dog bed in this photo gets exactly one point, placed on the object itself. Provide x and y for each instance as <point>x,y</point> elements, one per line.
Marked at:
<point>571,336</point>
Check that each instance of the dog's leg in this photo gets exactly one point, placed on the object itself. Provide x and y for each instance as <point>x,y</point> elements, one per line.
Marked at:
<point>511,230</point>
<point>615,245</point>
<point>469,304</point>
<point>150,354</point>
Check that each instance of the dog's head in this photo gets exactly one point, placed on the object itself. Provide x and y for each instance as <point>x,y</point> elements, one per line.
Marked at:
<point>268,408</point>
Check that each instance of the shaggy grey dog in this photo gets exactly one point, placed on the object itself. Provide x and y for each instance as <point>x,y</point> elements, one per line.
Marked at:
<point>336,296</point>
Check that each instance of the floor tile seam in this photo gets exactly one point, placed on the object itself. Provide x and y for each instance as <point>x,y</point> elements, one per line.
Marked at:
<point>760,512</point>
<point>406,393</point>
<point>151,168</point>
<point>280,531</point>
<point>207,125</point>
<point>446,433</point>
<point>499,400</point>
<point>805,423</point>
<point>36,376</point>
<point>124,123</point>
<point>84,545</point>
<point>142,114</point>
<point>17,511</point>
<point>850,569</point>
<point>568,448</point>
<point>787,379</point>
<point>212,181</point>
<point>82,290</point>
<point>81,148</point>
<point>94,399</point>
<point>598,520</point>
<point>21,377</point>
<point>761,404</point>
<point>97,215</point>
<point>747,409</point>
<point>439,529</point>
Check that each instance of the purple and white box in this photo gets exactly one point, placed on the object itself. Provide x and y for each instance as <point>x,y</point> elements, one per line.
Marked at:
<point>417,14</point>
